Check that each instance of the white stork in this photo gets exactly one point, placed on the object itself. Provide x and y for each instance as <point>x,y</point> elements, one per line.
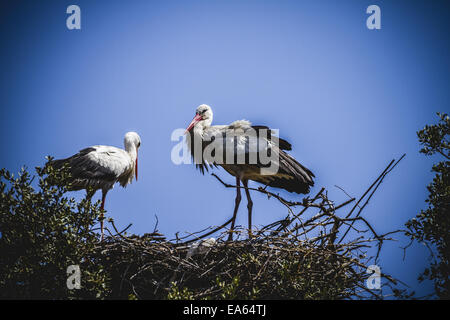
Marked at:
<point>100,167</point>
<point>291,175</point>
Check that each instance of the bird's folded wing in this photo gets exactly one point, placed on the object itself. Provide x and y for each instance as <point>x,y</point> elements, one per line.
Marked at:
<point>99,162</point>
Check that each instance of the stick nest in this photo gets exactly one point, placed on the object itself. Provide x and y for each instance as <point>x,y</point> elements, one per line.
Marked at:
<point>304,256</point>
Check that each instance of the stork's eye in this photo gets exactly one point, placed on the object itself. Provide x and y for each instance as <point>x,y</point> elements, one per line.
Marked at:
<point>139,144</point>
<point>203,111</point>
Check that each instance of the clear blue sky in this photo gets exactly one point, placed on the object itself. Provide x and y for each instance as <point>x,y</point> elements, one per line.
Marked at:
<point>349,99</point>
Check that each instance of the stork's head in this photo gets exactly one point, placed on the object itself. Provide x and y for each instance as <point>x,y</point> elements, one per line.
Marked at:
<point>203,116</point>
<point>132,143</point>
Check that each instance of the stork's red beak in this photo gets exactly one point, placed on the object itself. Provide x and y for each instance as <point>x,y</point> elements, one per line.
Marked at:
<point>136,169</point>
<point>194,121</point>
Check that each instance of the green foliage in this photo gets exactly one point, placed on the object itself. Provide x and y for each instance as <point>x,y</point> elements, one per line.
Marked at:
<point>434,138</point>
<point>179,294</point>
<point>229,290</point>
<point>42,233</point>
<point>431,226</point>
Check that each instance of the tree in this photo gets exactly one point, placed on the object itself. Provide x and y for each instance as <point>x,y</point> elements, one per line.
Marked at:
<point>432,225</point>
<point>42,232</point>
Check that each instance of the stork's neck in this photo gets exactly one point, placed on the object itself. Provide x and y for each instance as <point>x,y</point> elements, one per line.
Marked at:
<point>201,126</point>
<point>131,150</point>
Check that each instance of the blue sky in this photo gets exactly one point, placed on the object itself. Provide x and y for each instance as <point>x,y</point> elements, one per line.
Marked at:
<point>349,99</point>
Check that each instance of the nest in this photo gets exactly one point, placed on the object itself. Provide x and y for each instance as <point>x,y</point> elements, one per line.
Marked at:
<point>304,256</point>
<point>267,266</point>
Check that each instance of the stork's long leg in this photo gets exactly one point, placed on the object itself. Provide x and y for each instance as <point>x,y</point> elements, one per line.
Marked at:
<point>249,207</point>
<point>236,207</point>
<point>102,207</point>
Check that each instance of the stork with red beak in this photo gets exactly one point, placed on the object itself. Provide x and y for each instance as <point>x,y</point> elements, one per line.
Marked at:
<point>290,174</point>
<point>100,167</point>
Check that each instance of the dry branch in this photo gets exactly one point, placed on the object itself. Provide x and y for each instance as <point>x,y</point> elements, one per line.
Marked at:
<point>294,258</point>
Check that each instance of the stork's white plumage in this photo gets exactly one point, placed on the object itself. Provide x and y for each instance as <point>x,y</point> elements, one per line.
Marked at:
<point>100,167</point>
<point>234,138</point>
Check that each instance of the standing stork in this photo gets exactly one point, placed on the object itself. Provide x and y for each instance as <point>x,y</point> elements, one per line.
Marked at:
<point>291,175</point>
<point>100,167</point>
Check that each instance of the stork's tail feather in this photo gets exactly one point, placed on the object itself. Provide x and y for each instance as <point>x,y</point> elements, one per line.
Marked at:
<point>290,185</point>
<point>300,178</point>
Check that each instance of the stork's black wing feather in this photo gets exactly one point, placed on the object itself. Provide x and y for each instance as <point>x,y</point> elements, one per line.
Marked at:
<point>84,170</point>
<point>200,166</point>
<point>291,176</point>
<point>283,144</point>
